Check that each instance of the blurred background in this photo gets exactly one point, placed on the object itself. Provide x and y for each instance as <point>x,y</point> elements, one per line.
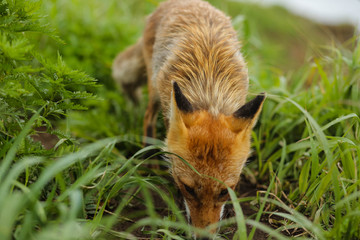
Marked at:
<point>330,12</point>
<point>275,41</point>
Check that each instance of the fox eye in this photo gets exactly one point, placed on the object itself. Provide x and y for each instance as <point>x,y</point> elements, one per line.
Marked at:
<point>190,190</point>
<point>223,193</point>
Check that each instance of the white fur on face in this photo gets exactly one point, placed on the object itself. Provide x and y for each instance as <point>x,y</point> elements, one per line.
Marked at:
<point>187,210</point>
<point>222,211</point>
<point>188,216</point>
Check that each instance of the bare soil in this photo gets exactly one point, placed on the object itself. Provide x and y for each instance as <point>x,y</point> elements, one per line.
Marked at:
<point>46,139</point>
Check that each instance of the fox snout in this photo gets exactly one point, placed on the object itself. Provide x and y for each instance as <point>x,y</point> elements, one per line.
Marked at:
<point>204,198</point>
<point>204,215</point>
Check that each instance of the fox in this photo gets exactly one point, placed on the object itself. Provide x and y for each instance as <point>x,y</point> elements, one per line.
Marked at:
<point>189,56</point>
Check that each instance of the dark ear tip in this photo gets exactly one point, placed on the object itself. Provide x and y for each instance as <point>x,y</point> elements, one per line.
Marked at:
<point>176,89</point>
<point>260,98</point>
<point>175,85</point>
<point>250,108</point>
<point>262,95</point>
<point>181,101</point>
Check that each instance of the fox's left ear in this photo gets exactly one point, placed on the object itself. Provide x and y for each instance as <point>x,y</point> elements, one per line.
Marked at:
<point>181,108</point>
<point>246,116</point>
<point>181,101</point>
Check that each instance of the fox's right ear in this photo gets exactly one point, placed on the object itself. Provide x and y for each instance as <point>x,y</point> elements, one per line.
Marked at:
<point>251,109</point>
<point>246,116</point>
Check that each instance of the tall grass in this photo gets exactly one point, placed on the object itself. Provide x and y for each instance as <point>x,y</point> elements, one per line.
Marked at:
<point>318,128</point>
<point>306,143</point>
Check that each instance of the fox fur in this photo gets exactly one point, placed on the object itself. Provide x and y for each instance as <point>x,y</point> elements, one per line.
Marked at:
<point>196,74</point>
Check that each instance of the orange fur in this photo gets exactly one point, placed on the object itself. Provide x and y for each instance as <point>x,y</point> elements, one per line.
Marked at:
<point>193,45</point>
<point>217,147</point>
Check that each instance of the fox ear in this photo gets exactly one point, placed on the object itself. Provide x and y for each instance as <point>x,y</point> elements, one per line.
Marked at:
<point>246,116</point>
<point>182,112</point>
<point>181,101</point>
<point>252,108</point>
<point>180,107</point>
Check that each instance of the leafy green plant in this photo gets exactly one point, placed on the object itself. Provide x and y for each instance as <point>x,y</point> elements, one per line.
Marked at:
<point>96,33</point>
<point>30,81</point>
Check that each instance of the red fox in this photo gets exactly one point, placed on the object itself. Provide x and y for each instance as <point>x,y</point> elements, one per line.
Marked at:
<point>195,72</point>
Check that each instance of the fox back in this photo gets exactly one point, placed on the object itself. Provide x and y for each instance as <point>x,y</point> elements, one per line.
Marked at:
<point>194,44</point>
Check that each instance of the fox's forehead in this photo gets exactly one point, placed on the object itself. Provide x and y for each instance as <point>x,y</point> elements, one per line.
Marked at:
<point>210,140</point>
<point>210,146</point>
<point>209,149</point>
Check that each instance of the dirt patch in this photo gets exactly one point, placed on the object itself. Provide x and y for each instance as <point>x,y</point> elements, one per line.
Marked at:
<point>47,140</point>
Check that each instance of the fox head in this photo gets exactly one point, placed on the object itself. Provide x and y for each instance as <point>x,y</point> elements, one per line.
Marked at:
<point>217,147</point>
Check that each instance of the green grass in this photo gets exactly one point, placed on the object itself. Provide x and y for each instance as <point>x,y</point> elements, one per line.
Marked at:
<point>96,183</point>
